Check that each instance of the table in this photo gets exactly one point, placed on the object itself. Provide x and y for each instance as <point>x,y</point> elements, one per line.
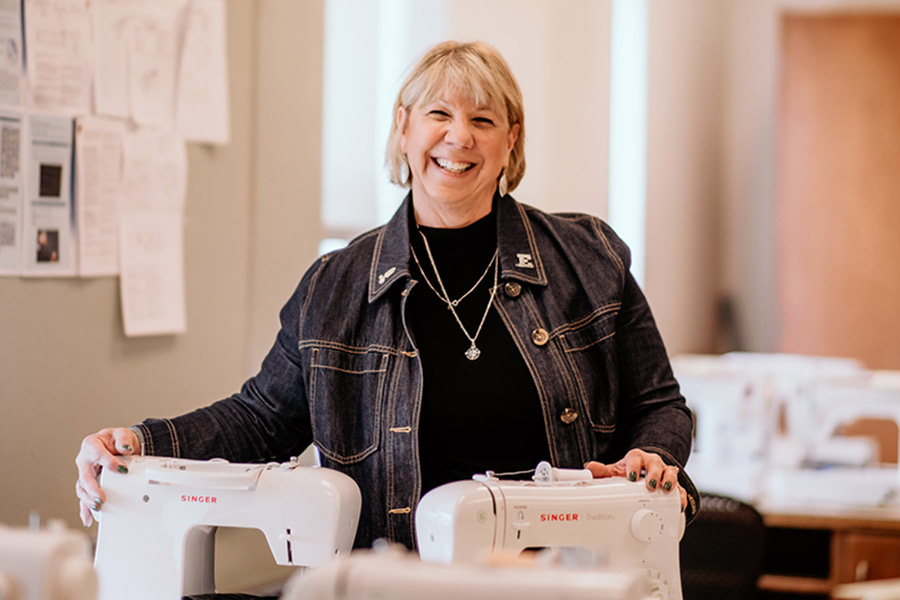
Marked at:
<point>811,550</point>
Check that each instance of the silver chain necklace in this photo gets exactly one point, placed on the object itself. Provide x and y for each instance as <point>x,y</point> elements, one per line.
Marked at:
<point>473,352</point>
<point>443,298</point>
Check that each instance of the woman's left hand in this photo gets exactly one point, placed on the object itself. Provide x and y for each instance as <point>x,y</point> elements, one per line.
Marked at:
<point>637,463</point>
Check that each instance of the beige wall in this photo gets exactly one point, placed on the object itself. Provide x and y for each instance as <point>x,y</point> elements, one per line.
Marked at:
<point>685,68</point>
<point>66,369</point>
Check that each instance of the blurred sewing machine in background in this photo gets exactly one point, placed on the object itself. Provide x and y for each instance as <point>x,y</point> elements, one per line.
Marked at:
<point>156,538</point>
<point>51,563</point>
<point>622,523</point>
<point>789,429</point>
<point>395,574</point>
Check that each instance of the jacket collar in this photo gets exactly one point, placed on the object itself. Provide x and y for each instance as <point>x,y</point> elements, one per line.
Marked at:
<point>519,255</point>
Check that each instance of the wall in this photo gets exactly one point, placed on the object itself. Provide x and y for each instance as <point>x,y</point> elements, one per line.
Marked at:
<point>286,208</point>
<point>684,120</point>
<point>66,369</point>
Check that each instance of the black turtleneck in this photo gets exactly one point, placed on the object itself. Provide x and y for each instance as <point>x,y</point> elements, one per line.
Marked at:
<point>476,415</point>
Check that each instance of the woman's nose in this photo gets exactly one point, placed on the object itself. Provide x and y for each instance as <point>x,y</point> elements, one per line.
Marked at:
<point>459,133</point>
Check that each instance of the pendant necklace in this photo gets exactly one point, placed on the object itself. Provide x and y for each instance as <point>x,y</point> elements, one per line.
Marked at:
<point>473,352</point>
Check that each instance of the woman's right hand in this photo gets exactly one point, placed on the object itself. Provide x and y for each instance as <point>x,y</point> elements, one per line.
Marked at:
<point>101,451</point>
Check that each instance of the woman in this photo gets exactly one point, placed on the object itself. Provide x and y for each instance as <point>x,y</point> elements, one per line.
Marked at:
<point>469,333</point>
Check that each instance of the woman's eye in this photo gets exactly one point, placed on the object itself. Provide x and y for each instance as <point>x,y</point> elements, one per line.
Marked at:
<point>484,121</point>
<point>438,113</point>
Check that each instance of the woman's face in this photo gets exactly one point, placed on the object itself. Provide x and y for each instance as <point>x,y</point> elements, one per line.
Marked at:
<point>455,150</point>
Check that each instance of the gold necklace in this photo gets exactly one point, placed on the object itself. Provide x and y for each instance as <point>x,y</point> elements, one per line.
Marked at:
<point>473,352</point>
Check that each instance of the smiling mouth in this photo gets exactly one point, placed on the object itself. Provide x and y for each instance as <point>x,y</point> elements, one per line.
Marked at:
<point>452,166</point>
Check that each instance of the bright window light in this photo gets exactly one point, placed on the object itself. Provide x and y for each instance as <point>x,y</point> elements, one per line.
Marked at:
<point>628,128</point>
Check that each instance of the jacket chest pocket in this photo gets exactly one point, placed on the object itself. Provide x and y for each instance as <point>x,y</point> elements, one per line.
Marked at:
<point>346,390</point>
<point>590,354</point>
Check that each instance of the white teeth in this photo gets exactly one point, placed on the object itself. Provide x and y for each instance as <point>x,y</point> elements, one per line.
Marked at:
<point>453,167</point>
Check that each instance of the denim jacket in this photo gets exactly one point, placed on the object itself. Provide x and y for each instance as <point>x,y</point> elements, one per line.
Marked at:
<point>345,374</point>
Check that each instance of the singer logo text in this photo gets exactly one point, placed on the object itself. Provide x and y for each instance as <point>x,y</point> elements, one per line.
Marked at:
<point>199,499</point>
<point>559,517</point>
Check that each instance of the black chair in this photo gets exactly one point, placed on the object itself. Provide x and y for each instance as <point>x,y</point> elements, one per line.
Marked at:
<point>722,550</point>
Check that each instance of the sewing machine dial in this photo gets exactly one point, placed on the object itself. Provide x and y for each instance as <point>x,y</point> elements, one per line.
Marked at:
<point>647,525</point>
<point>659,587</point>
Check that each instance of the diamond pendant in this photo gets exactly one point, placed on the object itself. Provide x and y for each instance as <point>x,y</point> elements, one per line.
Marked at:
<point>473,353</point>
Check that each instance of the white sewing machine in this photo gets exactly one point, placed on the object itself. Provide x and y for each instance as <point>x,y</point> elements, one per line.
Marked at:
<point>852,475</point>
<point>621,521</point>
<point>53,563</point>
<point>157,527</point>
<point>399,575</point>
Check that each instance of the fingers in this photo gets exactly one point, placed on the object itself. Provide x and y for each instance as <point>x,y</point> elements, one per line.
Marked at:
<point>600,470</point>
<point>126,441</point>
<point>638,463</point>
<point>100,451</point>
<point>669,479</point>
<point>86,504</point>
<point>657,474</point>
<point>635,463</point>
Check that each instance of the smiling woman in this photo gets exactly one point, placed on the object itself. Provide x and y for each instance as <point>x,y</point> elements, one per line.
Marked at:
<point>459,132</point>
<point>457,152</point>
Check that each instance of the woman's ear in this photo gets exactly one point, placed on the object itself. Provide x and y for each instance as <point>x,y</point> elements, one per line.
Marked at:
<point>401,119</point>
<point>512,137</point>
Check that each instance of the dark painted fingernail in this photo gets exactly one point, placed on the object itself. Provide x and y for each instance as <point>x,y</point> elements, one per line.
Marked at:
<point>95,507</point>
<point>122,469</point>
<point>98,501</point>
<point>126,447</point>
<point>632,476</point>
<point>653,484</point>
<point>667,486</point>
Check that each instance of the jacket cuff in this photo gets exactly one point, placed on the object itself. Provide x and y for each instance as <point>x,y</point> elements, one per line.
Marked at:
<point>158,438</point>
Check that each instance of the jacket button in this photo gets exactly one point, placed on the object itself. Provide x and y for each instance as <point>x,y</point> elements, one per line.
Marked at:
<point>568,415</point>
<point>512,289</point>
<point>540,336</point>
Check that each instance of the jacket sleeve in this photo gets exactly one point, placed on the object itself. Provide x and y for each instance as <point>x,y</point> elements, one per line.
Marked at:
<point>268,420</point>
<point>653,413</point>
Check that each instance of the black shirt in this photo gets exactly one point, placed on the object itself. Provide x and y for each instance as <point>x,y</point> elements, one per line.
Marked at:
<point>476,415</point>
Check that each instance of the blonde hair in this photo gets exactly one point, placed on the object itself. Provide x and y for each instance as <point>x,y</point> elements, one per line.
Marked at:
<point>477,70</point>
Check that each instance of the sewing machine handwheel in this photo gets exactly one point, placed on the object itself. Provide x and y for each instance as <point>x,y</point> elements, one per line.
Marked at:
<point>646,525</point>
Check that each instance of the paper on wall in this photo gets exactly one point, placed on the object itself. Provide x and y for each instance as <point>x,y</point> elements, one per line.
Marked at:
<point>11,160</point>
<point>48,244</point>
<point>202,104</point>
<point>136,59</point>
<point>110,19</point>
<point>58,65</point>
<point>153,52</point>
<point>151,232</point>
<point>98,187</point>
<point>152,278</point>
<point>10,51</point>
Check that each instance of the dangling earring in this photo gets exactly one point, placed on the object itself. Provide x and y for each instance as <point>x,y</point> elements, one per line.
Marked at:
<point>404,171</point>
<point>503,184</point>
